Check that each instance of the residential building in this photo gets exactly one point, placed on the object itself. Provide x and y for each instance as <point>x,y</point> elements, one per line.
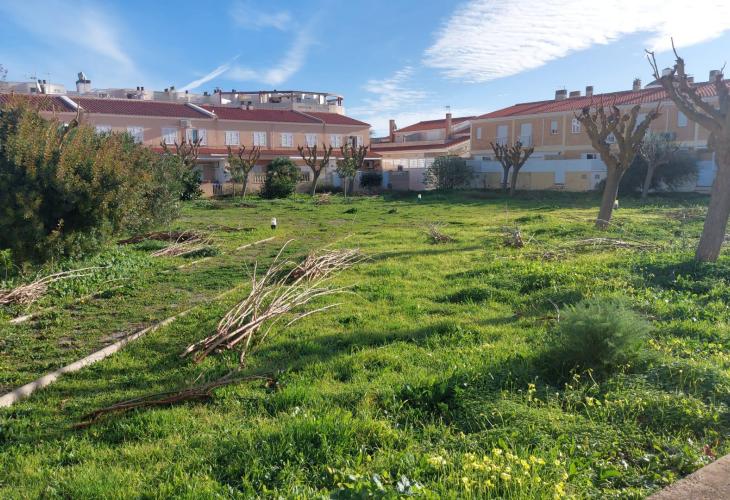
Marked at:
<point>278,130</point>
<point>406,153</point>
<point>563,157</point>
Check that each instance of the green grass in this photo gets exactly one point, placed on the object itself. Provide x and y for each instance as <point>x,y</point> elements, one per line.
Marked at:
<point>429,380</point>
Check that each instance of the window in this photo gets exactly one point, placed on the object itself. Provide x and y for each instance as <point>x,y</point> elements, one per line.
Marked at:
<point>502,134</point>
<point>681,119</point>
<point>335,140</point>
<point>359,141</point>
<point>169,135</point>
<point>137,134</point>
<point>611,139</point>
<point>479,132</point>
<point>311,140</point>
<point>287,140</point>
<point>554,127</point>
<point>259,138</point>
<point>590,156</point>
<point>195,134</point>
<point>233,138</point>
<point>575,126</point>
<point>103,129</point>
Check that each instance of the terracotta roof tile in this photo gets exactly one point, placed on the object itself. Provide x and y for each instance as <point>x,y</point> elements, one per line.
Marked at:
<point>337,119</point>
<point>433,124</point>
<point>137,107</point>
<point>44,102</point>
<point>389,146</point>
<point>259,115</point>
<point>626,97</point>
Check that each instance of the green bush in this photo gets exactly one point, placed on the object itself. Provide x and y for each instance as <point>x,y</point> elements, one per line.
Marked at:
<point>191,182</point>
<point>65,189</point>
<point>599,334</point>
<point>282,176</point>
<point>448,172</point>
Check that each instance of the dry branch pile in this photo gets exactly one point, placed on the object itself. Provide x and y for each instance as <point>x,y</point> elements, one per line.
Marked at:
<point>29,293</point>
<point>610,243</point>
<point>513,238</point>
<point>435,235</point>
<point>185,245</point>
<point>274,295</point>
<point>176,236</point>
<point>323,199</point>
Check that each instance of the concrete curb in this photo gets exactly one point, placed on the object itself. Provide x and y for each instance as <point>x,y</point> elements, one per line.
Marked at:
<point>711,482</point>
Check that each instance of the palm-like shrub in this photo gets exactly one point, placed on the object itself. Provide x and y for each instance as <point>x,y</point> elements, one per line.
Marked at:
<point>282,176</point>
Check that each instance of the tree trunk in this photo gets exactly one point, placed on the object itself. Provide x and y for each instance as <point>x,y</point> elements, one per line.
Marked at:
<point>647,180</point>
<point>513,181</point>
<point>713,233</point>
<point>610,191</point>
<point>244,184</point>
<point>505,178</point>
<point>315,178</point>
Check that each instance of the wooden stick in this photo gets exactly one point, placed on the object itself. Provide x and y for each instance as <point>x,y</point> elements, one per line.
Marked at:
<point>254,243</point>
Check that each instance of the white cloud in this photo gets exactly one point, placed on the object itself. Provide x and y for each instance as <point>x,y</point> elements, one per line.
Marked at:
<point>488,39</point>
<point>210,76</point>
<point>396,98</point>
<point>290,64</point>
<point>83,26</point>
<point>249,16</point>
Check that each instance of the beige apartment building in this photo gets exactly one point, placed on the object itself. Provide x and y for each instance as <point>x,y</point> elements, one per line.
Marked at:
<point>563,157</point>
<point>277,131</point>
<point>406,153</point>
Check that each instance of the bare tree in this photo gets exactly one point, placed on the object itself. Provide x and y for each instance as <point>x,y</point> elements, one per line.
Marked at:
<point>514,157</point>
<point>500,153</point>
<point>657,150</point>
<point>716,120</point>
<point>627,136</point>
<point>241,164</point>
<point>187,151</point>
<point>315,164</point>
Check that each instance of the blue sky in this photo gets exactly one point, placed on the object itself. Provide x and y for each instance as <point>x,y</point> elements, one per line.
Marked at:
<point>404,59</point>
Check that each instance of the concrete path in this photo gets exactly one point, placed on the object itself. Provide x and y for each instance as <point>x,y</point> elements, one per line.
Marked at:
<point>709,483</point>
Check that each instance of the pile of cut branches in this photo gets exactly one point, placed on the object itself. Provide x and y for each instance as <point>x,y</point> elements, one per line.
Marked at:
<point>323,199</point>
<point>25,295</point>
<point>184,245</point>
<point>273,296</point>
<point>176,236</point>
<point>513,238</point>
<point>607,243</point>
<point>436,235</point>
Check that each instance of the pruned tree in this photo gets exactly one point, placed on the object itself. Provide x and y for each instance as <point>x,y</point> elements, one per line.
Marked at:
<point>716,120</point>
<point>657,150</point>
<point>352,160</point>
<point>187,151</point>
<point>310,155</point>
<point>241,163</point>
<point>627,136</point>
<point>187,154</point>
<point>500,153</point>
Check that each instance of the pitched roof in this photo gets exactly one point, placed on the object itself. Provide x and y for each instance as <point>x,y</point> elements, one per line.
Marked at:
<point>622,98</point>
<point>337,119</point>
<point>137,107</point>
<point>42,101</point>
<point>433,124</point>
<point>259,115</point>
<point>404,146</point>
<point>267,153</point>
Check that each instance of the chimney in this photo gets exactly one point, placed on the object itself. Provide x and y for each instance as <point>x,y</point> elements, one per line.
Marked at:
<point>690,79</point>
<point>636,86</point>
<point>589,91</point>
<point>561,94</point>
<point>447,128</point>
<point>83,84</point>
<point>575,93</point>
<point>391,130</point>
<point>714,74</point>
<point>666,71</point>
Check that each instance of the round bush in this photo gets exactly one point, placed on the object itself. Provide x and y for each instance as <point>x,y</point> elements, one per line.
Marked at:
<point>282,176</point>
<point>598,334</point>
